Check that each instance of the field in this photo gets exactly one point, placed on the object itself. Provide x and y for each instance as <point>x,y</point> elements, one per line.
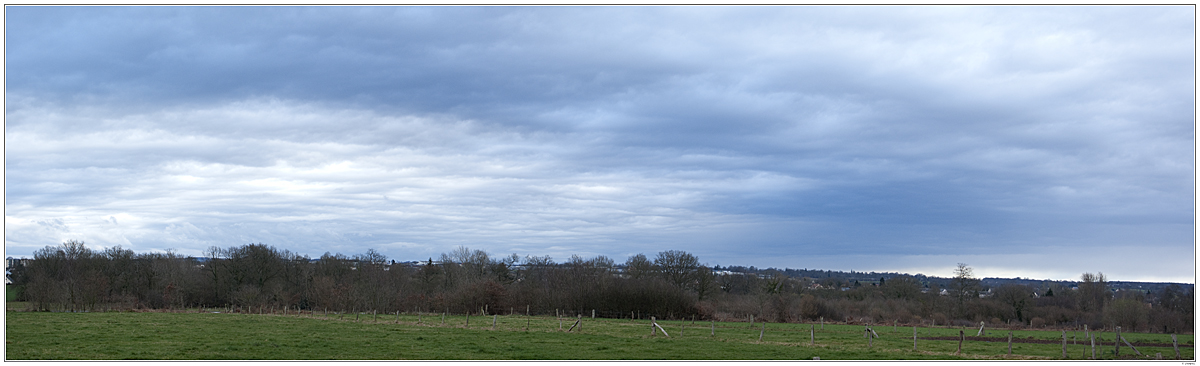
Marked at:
<point>219,336</point>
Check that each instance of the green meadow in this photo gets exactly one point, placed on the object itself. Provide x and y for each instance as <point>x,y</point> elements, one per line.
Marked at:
<point>205,335</point>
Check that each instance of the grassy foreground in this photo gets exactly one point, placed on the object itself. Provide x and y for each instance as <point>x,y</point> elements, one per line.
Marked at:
<point>216,336</point>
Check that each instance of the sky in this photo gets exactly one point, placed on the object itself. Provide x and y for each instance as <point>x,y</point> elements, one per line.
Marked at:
<point>1038,142</point>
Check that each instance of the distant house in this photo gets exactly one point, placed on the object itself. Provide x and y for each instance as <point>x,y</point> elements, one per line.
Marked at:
<point>11,262</point>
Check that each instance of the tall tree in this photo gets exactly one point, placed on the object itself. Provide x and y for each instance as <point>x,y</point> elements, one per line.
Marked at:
<point>677,267</point>
<point>1093,291</point>
<point>964,285</point>
<point>1019,297</point>
<point>637,266</point>
<point>705,284</point>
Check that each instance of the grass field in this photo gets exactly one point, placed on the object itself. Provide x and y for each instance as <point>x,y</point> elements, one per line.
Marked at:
<point>217,336</point>
<point>10,293</point>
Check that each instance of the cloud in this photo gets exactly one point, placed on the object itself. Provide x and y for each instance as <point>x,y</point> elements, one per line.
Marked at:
<point>916,131</point>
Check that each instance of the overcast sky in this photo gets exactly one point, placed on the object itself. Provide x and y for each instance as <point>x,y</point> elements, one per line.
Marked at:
<point>1038,142</point>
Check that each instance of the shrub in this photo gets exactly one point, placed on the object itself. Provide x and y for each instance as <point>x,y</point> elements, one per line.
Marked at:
<point>813,308</point>
<point>1128,314</point>
<point>1037,322</point>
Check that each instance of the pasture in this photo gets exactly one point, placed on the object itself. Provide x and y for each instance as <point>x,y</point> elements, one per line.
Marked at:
<point>209,335</point>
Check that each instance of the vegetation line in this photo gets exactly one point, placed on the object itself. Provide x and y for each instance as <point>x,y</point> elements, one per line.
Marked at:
<point>675,285</point>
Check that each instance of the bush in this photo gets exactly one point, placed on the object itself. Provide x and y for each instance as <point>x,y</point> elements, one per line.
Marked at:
<point>939,318</point>
<point>1037,323</point>
<point>813,308</point>
<point>1129,314</point>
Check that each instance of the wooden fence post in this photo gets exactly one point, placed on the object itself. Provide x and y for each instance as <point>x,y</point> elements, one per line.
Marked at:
<point>961,336</point>
<point>1175,343</point>
<point>1135,351</point>
<point>822,323</point>
<point>1093,338</point>
<point>1117,342</point>
<point>468,324</point>
<point>870,339</point>
<point>1010,342</point>
<point>526,310</point>
<point>593,313</point>
<point>1064,343</point>
<point>980,329</point>
<point>763,331</point>
<point>712,328</point>
<point>374,316</point>
<point>493,321</point>
<point>664,331</point>
<point>443,317</point>
<point>652,330</point>
<point>914,338</point>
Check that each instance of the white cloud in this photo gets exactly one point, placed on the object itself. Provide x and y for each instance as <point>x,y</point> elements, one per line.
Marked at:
<point>893,131</point>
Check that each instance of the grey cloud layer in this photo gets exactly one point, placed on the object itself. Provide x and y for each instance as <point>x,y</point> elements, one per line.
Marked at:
<point>821,130</point>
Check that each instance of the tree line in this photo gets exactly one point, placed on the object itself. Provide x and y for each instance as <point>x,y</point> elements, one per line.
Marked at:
<point>672,285</point>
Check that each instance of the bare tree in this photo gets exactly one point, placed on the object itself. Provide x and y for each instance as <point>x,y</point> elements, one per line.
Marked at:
<point>904,287</point>
<point>1019,297</point>
<point>1127,313</point>
<point>637,266</point>
<point>964,285</point>
<point>677,267</point>
<point>705,283</point>
<point>1093,291</point>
